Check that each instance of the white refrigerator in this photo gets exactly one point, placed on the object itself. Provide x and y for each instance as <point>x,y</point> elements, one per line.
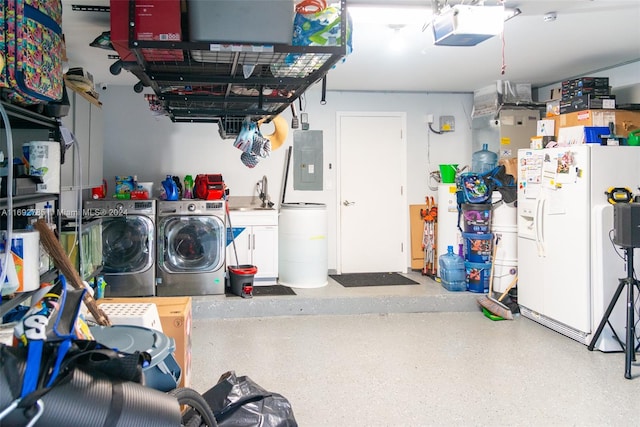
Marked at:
<point>568,266</point>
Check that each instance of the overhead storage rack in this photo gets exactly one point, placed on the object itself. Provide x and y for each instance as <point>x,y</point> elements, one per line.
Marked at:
<point>226,81</point>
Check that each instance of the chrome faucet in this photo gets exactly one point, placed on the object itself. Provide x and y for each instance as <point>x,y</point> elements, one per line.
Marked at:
<point>264,193</point>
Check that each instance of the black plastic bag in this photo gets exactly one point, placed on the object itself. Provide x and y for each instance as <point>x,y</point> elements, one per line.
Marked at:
<point>240,402</point>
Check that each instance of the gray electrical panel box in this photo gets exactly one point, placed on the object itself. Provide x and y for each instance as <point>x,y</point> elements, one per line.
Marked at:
<point>307,160</point>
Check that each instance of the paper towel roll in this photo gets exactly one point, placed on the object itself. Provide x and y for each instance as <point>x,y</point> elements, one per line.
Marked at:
<point>25,247</point>
<point>44,161</point>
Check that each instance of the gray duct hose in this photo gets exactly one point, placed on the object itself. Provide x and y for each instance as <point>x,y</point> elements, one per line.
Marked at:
<point>90,399</point>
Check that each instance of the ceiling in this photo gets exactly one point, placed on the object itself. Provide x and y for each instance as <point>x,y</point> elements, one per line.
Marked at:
<point>588,36</point>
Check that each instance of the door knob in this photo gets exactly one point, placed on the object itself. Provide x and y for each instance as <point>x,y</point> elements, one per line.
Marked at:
<point>348,203</point>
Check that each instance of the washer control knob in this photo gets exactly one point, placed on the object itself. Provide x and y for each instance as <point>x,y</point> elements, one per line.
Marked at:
<point>191,207</point>
<point>119,207</point>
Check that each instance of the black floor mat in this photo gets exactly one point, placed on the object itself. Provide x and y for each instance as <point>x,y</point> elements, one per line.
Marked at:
<point>353,280</point>
<point>271,290</point>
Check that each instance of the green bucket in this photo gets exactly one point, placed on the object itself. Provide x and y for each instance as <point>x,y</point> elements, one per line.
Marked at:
<point>448,173</point>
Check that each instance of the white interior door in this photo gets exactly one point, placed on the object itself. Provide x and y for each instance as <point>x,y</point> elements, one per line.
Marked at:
<point>372,203</point>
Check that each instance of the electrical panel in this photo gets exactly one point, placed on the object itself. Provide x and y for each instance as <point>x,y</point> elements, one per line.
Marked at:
<point>307,160</point>
<point>447,123</point>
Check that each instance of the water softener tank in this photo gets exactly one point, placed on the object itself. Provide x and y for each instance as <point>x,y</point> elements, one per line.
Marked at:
<point>483,160</point>
<point>453,273</point>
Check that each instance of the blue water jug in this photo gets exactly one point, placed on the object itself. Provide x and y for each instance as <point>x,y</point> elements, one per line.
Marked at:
<point>453,274</point>
<point>484,160</point>
<point>170,188</point>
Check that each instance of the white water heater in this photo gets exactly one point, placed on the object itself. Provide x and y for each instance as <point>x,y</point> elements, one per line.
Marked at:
<point>448,233</point>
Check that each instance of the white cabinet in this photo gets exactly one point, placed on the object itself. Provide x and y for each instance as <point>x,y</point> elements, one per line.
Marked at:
<point>83,171</point>
<point>256,243</point>
<point>86,122</point>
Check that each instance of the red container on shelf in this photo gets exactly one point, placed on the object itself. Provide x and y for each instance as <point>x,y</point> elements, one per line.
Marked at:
<point>155,20</point>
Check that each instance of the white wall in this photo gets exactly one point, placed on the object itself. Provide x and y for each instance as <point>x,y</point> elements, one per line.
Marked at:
<point>137,143</point>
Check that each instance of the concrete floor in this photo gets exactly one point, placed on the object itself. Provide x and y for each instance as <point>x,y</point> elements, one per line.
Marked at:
<point>394,366</point>
<point>427,296</point>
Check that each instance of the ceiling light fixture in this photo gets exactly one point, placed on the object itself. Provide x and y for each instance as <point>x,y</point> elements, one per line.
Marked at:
<point>396,27</point>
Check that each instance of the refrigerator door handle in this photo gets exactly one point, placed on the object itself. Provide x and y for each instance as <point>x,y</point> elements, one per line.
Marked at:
<point>538,222</point>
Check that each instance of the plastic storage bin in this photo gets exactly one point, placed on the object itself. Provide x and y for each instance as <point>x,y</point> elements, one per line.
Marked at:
<point>478,247</point>
<point>248,21</point>
<point>478,275</point>
<point>594,134</point>
<point>144,314</point>
<point>163,372</point>
<point>477,217</point>
<point>453,274</point>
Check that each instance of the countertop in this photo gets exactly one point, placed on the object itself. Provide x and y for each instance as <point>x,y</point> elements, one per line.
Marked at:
<point>247,203</point>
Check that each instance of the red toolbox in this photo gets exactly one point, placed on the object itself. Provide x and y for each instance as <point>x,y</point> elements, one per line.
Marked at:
<point>155,20</point>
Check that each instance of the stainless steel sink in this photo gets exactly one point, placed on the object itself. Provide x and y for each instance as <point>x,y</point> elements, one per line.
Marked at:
<point>247,203</point>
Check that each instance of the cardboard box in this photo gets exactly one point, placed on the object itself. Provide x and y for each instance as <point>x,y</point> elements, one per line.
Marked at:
<point>624,121</point>
<point>155,20</point>
<point>581,82</point>
<point>588,102</point>
<point>567,94</point>
<point>417,232</point>
<point>175,317</point>
<point>555,94</point>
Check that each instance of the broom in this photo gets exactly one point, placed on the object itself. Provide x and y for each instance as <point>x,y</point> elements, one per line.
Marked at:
<point>62,263</point>
<point>488,302</point>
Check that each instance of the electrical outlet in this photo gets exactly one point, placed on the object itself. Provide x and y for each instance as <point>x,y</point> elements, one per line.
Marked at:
<point>447,123</point>
<point>429,118</point>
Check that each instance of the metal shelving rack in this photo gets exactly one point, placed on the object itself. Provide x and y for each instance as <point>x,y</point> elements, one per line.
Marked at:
<point>209,85</point>
<point>24,118</point>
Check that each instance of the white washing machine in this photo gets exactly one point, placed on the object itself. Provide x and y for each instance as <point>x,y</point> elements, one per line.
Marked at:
<point>191,248</point>
<point>128,245</point>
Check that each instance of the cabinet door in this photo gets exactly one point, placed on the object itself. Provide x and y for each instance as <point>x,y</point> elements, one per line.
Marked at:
<point>265,250</point>
<point>66,169</point>
<point>82,123</point>
<point>96,139</point>
<point>243,246</point>
<point>86,122</point>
